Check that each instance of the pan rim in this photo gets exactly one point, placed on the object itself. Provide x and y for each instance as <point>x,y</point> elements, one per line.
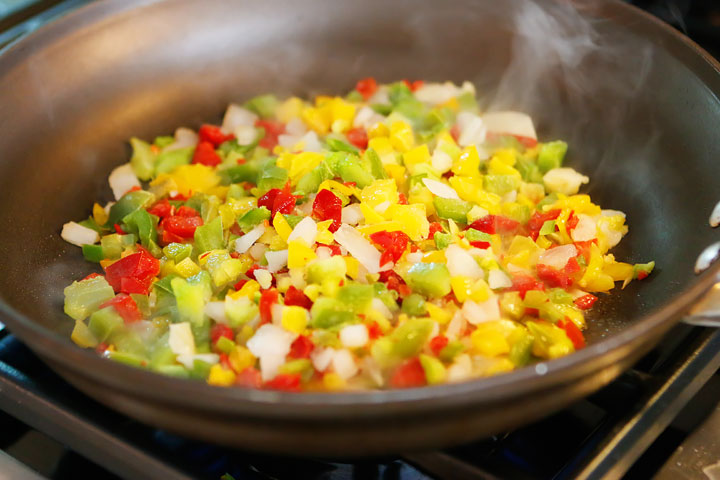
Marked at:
<point>200,396</point>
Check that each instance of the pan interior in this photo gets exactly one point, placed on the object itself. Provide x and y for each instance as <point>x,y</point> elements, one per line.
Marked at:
<point>68,105</point>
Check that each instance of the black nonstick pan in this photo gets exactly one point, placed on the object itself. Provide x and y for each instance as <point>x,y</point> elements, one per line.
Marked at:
<point>637,101</point>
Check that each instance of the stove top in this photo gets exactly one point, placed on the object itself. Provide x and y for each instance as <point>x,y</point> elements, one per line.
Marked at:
<point>659,419</point>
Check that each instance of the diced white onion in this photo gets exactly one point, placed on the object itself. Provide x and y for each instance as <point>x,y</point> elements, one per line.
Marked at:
<point>415,257</point>
<point>437,93</point>
<point>189,359</point>
<point>321,358</point>
<point>380,307</point>
<point>296,127</point>
<point>460,262</point>
<point>352,215</point>
<point>461,369</point>
<point>498,279</point>
<point>363,251</point>
<point>440,189</point>
<point>263,277</point>
<point>257,251</point>
<point>270,340</point>
<point>370,367</point>
<point>511,123</point>
<point>244,243</point>
<point>184,137</point>
<point>276,260</point>
<point>269,366</point>
<point>381,96</point>
<point>441,161</point>
<point>237,116</point>
<point>564,180</point>
<point>276,312</point>
<point>486,311</point>
<point>216,311</point>
<point>456,327</point>
<point>323,253</point>
<point>557,257</point>
<point>382,207</point>
<point>245,134</point>
<point>473,133</point>
<point>344,364</point>
<point>366,117</point>
<point>354,336</point>
<point>78,235</point>
<point>585,230</point>
<point>305,230</point>
<point>122,179</point>
<point>612,213</point>
<point>180,339</point>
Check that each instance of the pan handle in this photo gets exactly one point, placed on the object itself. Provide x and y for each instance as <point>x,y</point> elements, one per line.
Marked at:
<point>706,312</point>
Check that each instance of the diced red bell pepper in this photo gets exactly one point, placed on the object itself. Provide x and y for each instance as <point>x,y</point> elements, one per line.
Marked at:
<point>642,275</point>
<point>161,209</point>
<point>367,87</point>
<point>538,219</point>
<point>268,298</point>
<point>220,330</point>
<point>438,343</point>
<point>250,377</point>
<point>295,296</point>
<point>586,301</point>
<point>168,238</point>
<point>181,226</point>
<point>287,382</point>
<point>584,248</point>
<point>284,201</point>
<point>374,330</point>
<point>205,155</point>
<point>393,243</point>
<point>119,230</point>
<point>553,277</point>
<point>302,347</point>
<point>435,227</point>
<point>455,132</point>
<point>481,245</point>
<point>91,276</point>
<point>186,211</point>
<point>213,135</point>
<point>572,332</point>
<point>533,312</point>
<point>402,199</point>
<point>393,281</point>
<point>495,224</point>
<point>409,374</point>
<point>268,199</point>
<point>572,222</point>
<point>334,249</point>
<point>250,273</point>
<point>522,283</point>
<point>413,86</point>
<point>358,137</point>
<point>328,206</point>
<point>134,273</point>
<point>125,306</point>
<point>240,284</point>
<point>273,130</point>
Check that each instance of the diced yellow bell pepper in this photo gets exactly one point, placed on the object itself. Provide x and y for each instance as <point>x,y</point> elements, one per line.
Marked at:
<point>452,104</point>
<point>496,166</point>
<point>312,291</point>
<point>378,130</point>
<point>594,280</point>
<point>401,136</point>
<point>468,163</point>
<point>412,218</point>
<point>249,290</point>
<point>332,381</point>
<point>489,339</point>
<point>294,319</point>
<point>543,242</point>
<point>289,109</point>
<point>397,173</point>
<point>440,315</point>
<point>282,227</point>
<point>167,268</point>
<point>380,192</point>
<point>317,119</point>
<point>352,266</point>
<point>417,156</point>
<point>436,256</point>
<point>220,376</point>
<point>619,271</point>
<point>187,268</point>
<point>190,179</point>
<point>500,365</point>
<point>508,156</point>
<point>299,254</point>
<point>342,114</point>
<point>461,287</point>
<point>99,214</point>
<point>241,358</point>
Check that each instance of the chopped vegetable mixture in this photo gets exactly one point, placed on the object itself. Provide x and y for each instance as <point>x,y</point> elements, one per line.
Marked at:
<point>395,237</point>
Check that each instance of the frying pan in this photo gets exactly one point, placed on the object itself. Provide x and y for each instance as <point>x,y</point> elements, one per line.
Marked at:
<point>73,92</point>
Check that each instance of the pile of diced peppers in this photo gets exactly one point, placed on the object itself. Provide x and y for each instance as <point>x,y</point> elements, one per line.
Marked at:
<point>167,251</point>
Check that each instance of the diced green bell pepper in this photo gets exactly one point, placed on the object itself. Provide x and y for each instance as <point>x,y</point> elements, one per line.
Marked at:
<point>163,141</point>
<point>293,220</point>
<point>225,345</point>
<point>558,295</point>
<point>177,371</point>
<point>310,182</point>
<point>355,296</point>
<point>263,105</point>
<point>451,350</point>
<point>104,323</point>
<point>129,359</point>
<point>210,236</point>
<point>82,336</point>
<point>521,347</point>
<point>645,268</point>
<point>435,372</point>
<point>549,341</point>
<point>500,184</point>
<point>442,240</point>
<point>168,161</point>
<point>410,337</point>
<point>84,297</point>
<point>252,218</point>
<point>376,166</point>
<point>93,253</point>
<point>190,300</point>
<point>473,235</point>
<point>387,296</point>
<point>548,227</point>
<point>551,155</point>
<point>143,224</point>
<point>337,145</point>
<point>127,204</point>
<point>272,176</point>
<point>91,224</point>
<point>429,279</point>
<point>114,244</point>
<point>327,268</point>
<point>240,311</point>
<point>247,172</point>
<point>452,208</point>
<point>142,160</point>
<point>200,370</point>
<point>351,170</point>
<point>414,305</point>
<point>177,251</point>
<point>330,313</point>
